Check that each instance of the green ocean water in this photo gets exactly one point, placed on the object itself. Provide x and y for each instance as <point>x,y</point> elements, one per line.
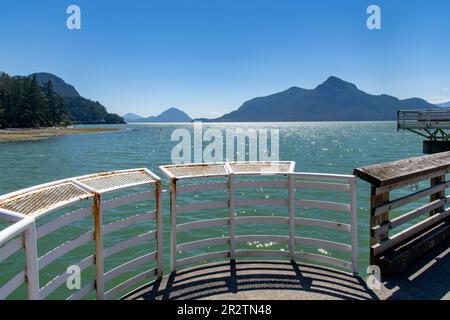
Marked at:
<point>325,147</point>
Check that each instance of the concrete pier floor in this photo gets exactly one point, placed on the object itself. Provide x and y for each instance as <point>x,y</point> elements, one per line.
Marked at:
<point>427,278</point>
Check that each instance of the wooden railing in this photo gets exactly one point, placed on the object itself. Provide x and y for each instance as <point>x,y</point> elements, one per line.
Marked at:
<point>408,213</point>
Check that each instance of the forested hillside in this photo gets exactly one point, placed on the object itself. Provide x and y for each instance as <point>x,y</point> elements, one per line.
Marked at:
<point>34,101</point>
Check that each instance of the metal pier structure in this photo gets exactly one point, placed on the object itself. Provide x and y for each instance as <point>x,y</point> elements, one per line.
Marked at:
<point>432,124</point>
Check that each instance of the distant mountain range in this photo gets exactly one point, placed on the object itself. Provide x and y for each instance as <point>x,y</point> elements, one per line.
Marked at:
<point>444,105</point>
<point>333,100</point>
<point>81,110</point>
<point>170,115</point>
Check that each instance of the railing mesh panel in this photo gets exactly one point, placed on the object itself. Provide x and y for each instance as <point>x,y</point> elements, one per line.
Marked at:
<point>36,201</point>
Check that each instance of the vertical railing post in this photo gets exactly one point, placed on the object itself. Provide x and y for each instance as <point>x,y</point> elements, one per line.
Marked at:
<point>159,229</point>
<point>98,235</point>
<point>32,272</point>
<point>439,195</point>
<point>173,225</point>
<point>375,201</point>
<point>232,208</point>
<point>291,204</point>
<point>354,224</point>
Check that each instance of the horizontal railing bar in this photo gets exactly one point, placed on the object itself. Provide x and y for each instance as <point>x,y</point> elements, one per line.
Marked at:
<point>128,265</point>
<point>262,220</point>
<point>385,189</point>
<point>12,285</point>
<point>128,221</point>
<point>324,205</point>
<point>62,221</point>
<point>218,204</point>
<point>203,243</point>
<point>338,226</point>
<point>261,202</point>
<point>261,173</point>
<point>410,215</point>
<point>129,283</point>
<point>203,224</point>
<point>83,291</point>
<point>325,244</point>
<point>136,197</point>
<point>403,235</point>
<point>340,187</point>
<point>203,257</point>
<point>262,238</point>
<point>56,282</point>
<point>202,187</point>
<point>11,216</point>
<point>324,259</point>
<point>15,229</point>
<point>410,198</point>
<point>134,241</point>
<point>275,184</point>
<point>322,176</point>
<point>261,253</point>
<point>10,248</point>
<point>64,248</point>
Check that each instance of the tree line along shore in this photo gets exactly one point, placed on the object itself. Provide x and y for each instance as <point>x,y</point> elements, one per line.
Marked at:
<point>27,103</point>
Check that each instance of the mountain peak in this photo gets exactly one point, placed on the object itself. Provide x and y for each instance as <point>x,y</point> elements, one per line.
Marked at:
<point>333,100</point>
<point>59,85</point>
<point>338,83</point>
<point>170,115</point>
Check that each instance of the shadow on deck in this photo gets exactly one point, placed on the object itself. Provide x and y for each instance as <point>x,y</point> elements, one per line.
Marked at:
<point>428,278</point>
<point>256,280</point>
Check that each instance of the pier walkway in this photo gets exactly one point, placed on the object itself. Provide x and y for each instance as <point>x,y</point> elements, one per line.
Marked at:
<point>271,233</point>
<point>427,279</point>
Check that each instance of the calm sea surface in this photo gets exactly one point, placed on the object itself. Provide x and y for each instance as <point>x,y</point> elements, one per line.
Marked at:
<point>327,147</point>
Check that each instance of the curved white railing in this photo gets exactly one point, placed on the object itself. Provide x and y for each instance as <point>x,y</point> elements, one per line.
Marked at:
<point>231,177</point>
<point>31,213</point>
<point>28,207</point>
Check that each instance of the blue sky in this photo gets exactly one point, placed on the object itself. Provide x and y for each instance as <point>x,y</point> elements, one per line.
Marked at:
<point>209,56</point>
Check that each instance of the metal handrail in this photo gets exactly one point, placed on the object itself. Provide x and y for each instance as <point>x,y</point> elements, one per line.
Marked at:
<point>25,234</point>
<point>343,183</point>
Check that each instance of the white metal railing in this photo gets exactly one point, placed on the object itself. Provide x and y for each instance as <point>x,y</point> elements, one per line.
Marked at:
<point>26,208</point>
<point>293,182</point>
<point>424,119</point>
<point>29,212</point>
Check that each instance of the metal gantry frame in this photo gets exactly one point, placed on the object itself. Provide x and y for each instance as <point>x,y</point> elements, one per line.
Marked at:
<point>293,181</point>
<point>434,123</point>
<point>24,208</point>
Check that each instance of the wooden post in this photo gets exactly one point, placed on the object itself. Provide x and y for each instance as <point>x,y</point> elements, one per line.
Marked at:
<point>375,201</point>
<point>439,195</point>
